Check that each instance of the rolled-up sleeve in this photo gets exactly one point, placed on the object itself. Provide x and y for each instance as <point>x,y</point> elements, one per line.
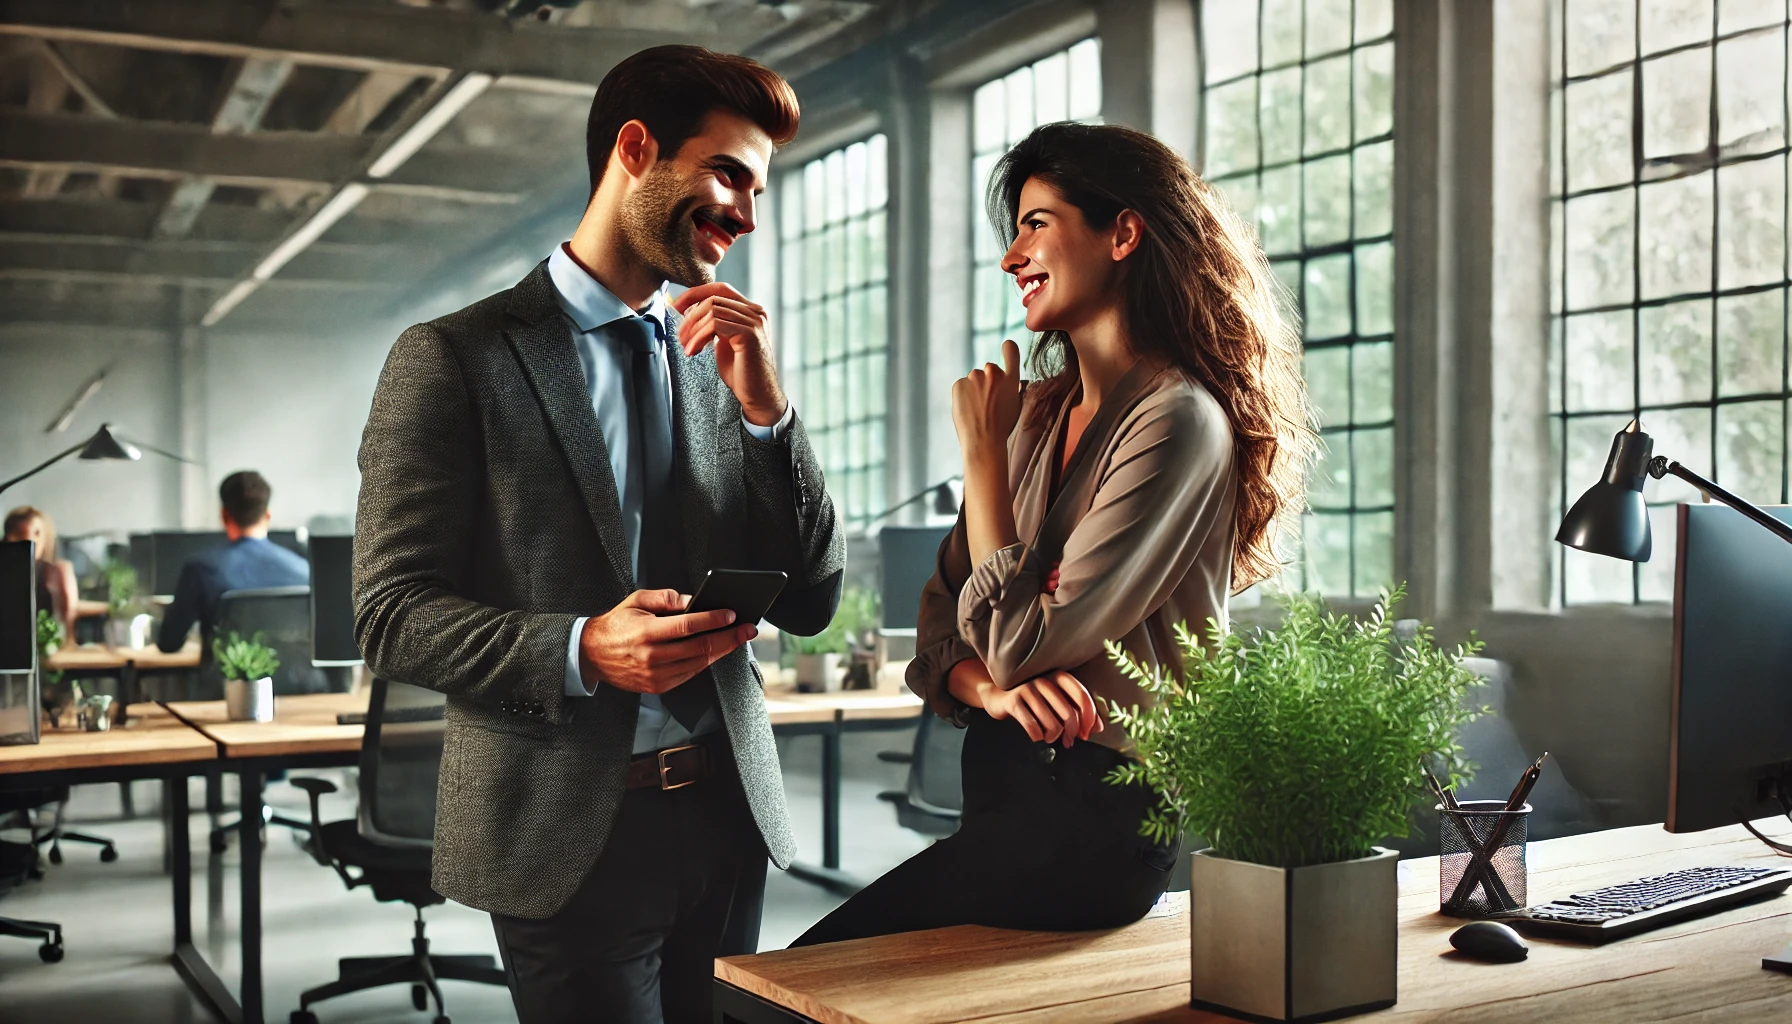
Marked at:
<point>1168,486</point>
<point>938,646</point>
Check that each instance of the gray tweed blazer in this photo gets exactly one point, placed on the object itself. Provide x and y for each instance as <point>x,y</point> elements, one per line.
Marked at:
<point>488,521</point>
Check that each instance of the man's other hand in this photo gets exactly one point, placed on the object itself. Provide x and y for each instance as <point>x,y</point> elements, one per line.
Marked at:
<point>645,645</point>
<point>739,329</point>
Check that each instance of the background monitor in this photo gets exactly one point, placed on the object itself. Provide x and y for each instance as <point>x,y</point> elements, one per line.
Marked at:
<point>143,559</point>
<point>333,602</point>
<point>172,549</point>
<point>18,607</point>
<point>1732,710</point>
<point>907,555</point>
<point>292,540</point>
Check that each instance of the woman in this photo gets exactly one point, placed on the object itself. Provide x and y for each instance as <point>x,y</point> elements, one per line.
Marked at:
<point>1133,486</point>
<point>57,592</point>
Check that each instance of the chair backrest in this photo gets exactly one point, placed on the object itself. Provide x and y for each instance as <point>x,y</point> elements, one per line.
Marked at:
<point>283,616</point>
<point>401,757</point>
<point>934,773</point>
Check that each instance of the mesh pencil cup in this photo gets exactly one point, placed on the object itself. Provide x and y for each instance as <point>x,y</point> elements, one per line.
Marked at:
<point>1480,867</point>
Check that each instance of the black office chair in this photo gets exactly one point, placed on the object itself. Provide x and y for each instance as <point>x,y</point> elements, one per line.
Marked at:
<point>18,862</point>
<point>282,615</point>
<point>934,799</point>
<point>389,843</point>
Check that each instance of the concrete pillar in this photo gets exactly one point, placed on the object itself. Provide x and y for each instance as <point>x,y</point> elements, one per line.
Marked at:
<point>1150,77</point>
<point>198,502</point>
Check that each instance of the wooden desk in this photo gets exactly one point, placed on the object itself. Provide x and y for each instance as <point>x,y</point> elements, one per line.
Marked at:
<point>303,724</point>
<point>100,658</point>
<point>1707,968</point>
<point>149,736</point>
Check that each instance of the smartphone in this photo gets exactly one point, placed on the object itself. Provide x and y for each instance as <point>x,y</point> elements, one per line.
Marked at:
<point>748,593</point>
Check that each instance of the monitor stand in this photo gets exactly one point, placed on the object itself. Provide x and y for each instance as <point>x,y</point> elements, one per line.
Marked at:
<point>1781,961</point>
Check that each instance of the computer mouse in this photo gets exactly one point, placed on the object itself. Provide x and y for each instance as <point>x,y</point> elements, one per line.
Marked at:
<point>1490,941</point>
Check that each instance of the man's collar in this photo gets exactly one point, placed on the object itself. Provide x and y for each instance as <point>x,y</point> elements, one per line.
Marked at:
<point>588,302</point>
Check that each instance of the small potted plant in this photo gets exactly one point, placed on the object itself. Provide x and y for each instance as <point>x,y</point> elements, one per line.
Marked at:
<point>128,623</point>
<point>248,668</point>
<point>1293,751</point>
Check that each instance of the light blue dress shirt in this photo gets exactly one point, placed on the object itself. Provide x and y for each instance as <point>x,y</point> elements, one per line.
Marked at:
<point>608,363</point>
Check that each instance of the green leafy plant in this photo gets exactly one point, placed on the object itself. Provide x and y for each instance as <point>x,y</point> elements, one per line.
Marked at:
<point>1298,745</point>
<point>859,613</point>
<point>124,591</point>
<point>51,635</point>
<point>244,660</point>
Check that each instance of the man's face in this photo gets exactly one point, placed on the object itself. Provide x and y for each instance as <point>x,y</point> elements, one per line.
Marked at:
<point>690,207</point>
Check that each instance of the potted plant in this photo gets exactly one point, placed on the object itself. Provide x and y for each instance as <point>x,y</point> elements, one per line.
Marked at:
<point>128,623</point>
<point>248,668</point>
<point>819,665</point>
<point>1293,751</point>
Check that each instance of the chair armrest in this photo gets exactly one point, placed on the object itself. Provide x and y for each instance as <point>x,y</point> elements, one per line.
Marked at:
<point>315,788</point>
<point>896,757</point>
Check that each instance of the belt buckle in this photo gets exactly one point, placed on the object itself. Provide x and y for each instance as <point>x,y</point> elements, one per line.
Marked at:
<point>664,767</point>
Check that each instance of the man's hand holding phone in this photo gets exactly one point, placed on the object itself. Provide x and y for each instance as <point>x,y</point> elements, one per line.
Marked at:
<point>646,645</point>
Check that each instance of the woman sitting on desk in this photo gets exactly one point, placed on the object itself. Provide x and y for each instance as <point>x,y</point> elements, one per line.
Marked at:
<point>57,592</point>
<point>1133,486</point>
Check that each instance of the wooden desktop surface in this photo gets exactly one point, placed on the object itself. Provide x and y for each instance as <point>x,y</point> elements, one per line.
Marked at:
<point>1704,969</point>
<point>148,735</point>
<point>303,724</point>
<point>98,657</point>
<point>785,706</point>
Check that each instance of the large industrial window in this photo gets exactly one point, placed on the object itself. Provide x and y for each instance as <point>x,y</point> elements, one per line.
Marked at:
<point>1668,258</point>
<point>1063,87</point>
<point>1298,132</point>
<point>834,284</point>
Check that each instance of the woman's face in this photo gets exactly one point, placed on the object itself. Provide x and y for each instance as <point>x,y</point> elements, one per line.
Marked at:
<point>32,530</point>
<point>1067,271</point>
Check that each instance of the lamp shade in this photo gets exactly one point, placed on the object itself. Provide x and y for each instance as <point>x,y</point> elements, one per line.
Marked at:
<point>1611,518</point>
<point>103,445</point>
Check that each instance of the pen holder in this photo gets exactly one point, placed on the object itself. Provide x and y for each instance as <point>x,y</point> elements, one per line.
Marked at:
<point>1480,864</point>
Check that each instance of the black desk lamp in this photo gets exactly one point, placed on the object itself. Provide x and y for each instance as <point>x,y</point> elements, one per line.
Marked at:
<point>102,445</point>
<point>1610,519</point>
<point>945,503</point>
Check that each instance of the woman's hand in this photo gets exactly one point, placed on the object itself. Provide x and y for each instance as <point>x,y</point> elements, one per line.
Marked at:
<point>986,406</point>
<point>1051,706</point>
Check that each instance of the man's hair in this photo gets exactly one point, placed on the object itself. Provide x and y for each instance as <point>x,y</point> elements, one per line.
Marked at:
<point>671,89</point>
<point>245,497</point>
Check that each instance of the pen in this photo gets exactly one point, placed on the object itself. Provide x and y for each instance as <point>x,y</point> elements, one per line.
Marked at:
<point>1444,796</point>
<point>1522,791</point>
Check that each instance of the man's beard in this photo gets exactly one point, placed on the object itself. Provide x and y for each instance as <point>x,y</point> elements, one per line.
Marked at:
<point>657,224</point>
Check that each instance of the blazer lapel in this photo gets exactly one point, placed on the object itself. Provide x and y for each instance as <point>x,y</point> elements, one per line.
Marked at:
<point>542,340</point>
<point>702,449</point>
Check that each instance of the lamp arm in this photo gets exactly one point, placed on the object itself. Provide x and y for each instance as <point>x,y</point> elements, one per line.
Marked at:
<point>54,459</point>
<point>910,500</point>
<point>1659,467</point>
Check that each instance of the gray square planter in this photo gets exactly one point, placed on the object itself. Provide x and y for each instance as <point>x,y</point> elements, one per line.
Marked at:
<point>1293,944</point>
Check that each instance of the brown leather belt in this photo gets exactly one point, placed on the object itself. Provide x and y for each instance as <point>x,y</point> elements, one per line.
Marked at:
<point>671,768</point>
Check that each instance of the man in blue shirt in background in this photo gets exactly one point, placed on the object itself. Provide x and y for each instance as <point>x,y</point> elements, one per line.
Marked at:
<point>249,561</point>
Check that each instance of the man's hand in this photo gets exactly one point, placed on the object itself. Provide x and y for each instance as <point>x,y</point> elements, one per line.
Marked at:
<point>738,326</point>
<point>640,645</point>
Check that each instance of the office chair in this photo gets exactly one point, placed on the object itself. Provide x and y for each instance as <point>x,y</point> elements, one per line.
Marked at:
<point>934,799</point>
<point>18,861</point>
<point>388,843</point>
<point>283,616</point>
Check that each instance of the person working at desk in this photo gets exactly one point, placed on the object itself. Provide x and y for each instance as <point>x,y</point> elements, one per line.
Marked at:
<point>544,475</point>
<point>1131,488</point>
<point>247,561</point>
<point>57,591</point>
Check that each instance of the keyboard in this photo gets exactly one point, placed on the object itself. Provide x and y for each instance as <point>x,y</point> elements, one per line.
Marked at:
<point>1617,911</point>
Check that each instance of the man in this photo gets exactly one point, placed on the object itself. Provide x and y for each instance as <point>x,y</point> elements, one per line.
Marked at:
<point>546,476</point>
<point>248,561</point>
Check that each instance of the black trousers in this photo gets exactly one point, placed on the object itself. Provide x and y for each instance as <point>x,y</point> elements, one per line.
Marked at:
<point>1046,843</point>
<point>680,882</point>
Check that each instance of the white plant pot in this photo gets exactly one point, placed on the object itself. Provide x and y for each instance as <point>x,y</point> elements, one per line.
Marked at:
<point>1293,944</point>
<point>817,673</point>
<point>130,633</point>
<point>249,701</point>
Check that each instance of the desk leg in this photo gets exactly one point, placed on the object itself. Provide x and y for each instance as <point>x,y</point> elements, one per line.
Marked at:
<point>189,963</point>
<point>249,842</point>
<point>828,875</point>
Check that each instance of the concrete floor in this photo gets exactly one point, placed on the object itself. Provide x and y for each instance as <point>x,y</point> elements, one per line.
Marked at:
<point>116,917</point>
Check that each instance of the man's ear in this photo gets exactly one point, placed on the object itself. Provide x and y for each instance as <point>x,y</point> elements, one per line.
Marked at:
<point>1129,231</point>
<point>636,149</point>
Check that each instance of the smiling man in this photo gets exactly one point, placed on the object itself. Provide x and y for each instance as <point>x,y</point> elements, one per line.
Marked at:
<point>546,475</point>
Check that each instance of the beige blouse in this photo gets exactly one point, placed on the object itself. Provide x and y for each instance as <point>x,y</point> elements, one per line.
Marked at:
<point>1142,531</point>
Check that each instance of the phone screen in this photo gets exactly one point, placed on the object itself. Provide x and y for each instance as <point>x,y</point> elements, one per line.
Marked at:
<point>748,593</point>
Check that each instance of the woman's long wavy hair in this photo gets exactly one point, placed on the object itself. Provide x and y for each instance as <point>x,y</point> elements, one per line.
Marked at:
<point>1199,295</point>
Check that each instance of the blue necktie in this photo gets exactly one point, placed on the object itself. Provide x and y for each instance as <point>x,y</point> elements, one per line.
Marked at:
<point>661,558</point>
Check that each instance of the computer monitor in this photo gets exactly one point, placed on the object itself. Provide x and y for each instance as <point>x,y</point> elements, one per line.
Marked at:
<point>172,549</point>
<point>1731,735</point>
<point>292,540</point>
<point>907,555</point>
<point>333,602</point>
<point>143,557</point>
<point>18,606</point>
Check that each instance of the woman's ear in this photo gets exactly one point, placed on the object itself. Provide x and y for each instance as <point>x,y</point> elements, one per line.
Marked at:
<point>1129,231</point>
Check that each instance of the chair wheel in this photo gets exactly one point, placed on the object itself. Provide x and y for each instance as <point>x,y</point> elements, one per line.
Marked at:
<point>420,997</point>
<point>108,854</point>
<point>50,953</point>
<point>219,842</point>
<point>303,1017</point>
<point>55,854</point>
